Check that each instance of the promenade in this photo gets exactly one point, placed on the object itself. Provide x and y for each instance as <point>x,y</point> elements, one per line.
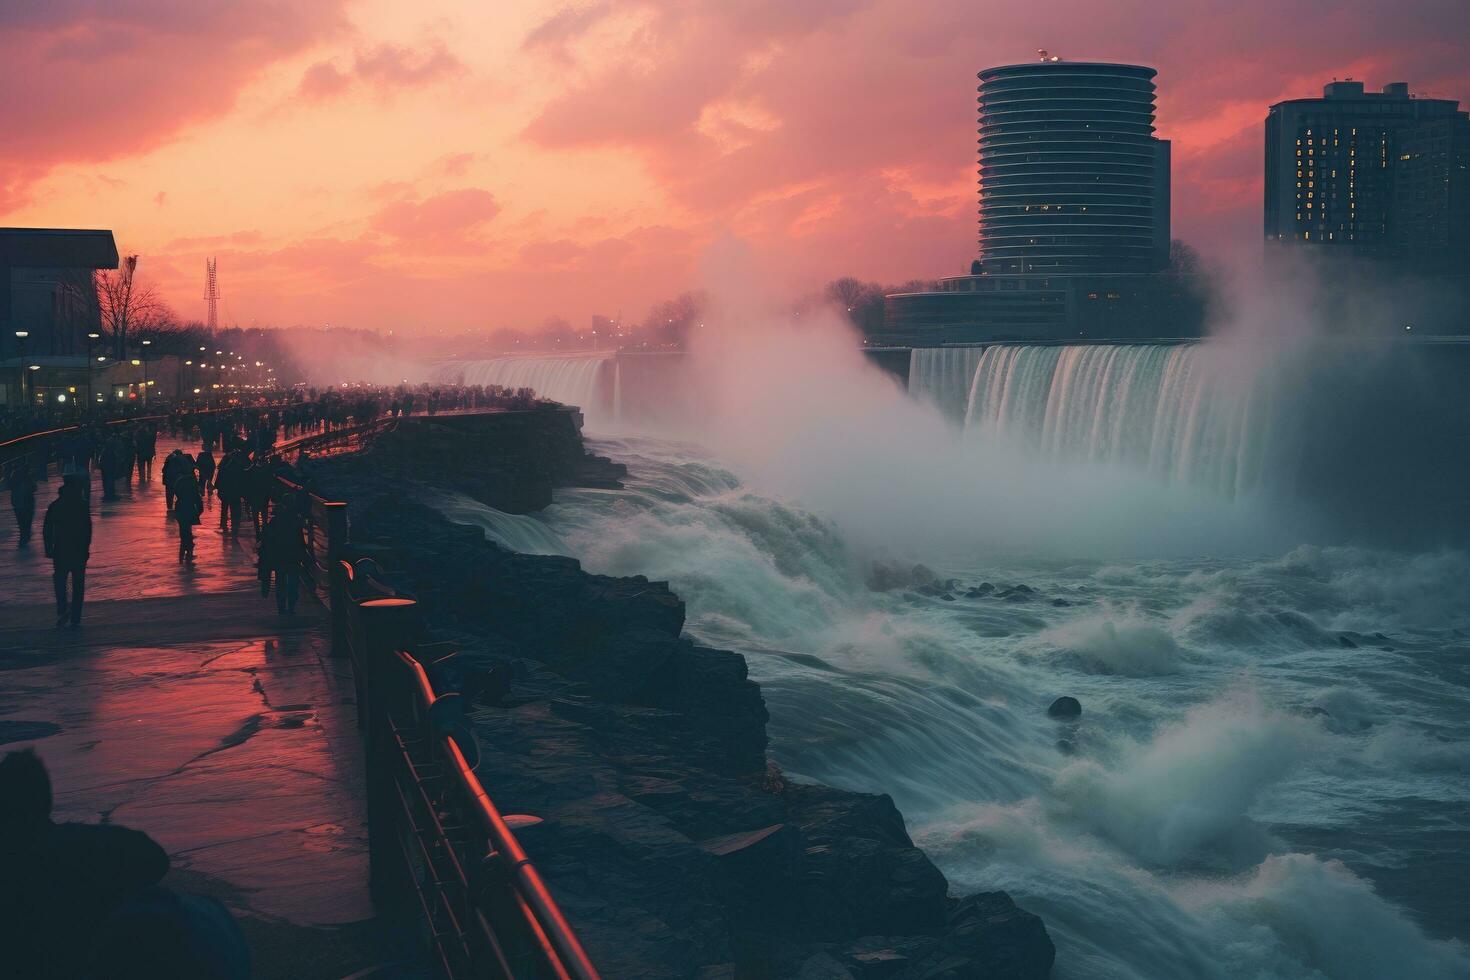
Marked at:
<point>186,707</point>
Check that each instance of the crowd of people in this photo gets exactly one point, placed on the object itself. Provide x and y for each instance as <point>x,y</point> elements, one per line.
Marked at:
<point>88,900</point>
<point>235,472</point>
<point>298,407</point>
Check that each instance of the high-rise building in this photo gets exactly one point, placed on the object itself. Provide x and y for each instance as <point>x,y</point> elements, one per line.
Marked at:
<point>1074,217</point>
<point>1072,178</point>
<point>1380,176</point>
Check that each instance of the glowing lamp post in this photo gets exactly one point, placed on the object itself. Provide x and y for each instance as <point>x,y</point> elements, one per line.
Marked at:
<point>146,345</point>
<point>92,338</point>
<point>20,340</point>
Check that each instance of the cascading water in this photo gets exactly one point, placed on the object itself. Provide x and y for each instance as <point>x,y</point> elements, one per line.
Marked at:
<point>943,375</point>
<point>1246,794</point>
<point>1269,778</point>
<point>1162,408</point>
<point>573,379</point>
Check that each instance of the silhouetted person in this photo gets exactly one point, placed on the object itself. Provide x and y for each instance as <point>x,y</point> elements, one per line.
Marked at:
<point>60,880</point>
<point>205,464</point>
<point>147,443</point>
<point>83,900</point>
<point>283,552</point>
<point>22,485</point>
<point>259,480</point>
<point>111,464</point>
<point>67,533</point>
<point>175,465</point>
<point>188,510</point>
<point>229,484</point>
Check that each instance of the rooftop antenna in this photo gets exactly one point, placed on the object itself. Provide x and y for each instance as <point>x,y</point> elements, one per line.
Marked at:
<point>211,294</point>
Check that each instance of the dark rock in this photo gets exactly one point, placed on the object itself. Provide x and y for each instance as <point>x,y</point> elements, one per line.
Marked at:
<point>1065,706</point>
<point>1060,603</point>
<point>885,577</point>
<point>672,843</point>
<point>1344,640</point>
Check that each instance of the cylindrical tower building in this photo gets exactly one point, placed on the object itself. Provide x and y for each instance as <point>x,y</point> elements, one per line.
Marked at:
<point>1072,179</point>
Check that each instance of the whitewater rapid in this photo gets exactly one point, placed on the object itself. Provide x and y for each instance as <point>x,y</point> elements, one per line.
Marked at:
<point>1270,777</point>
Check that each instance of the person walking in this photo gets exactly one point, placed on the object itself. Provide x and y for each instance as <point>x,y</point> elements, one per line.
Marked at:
<point>260,479</point>
<point>147,443</point>
<point>111,464</point>
<point>283,553</point>
<point>22,485</point>
<point>67,534</point>
<point>204,463</point>
<point>173,467</point>
<point>229,483</point>
<point>188,511</point>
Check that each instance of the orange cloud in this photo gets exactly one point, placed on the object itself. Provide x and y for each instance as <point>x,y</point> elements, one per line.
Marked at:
<point>385,68</point>
<point>620,138</point>
<point>443,215</point>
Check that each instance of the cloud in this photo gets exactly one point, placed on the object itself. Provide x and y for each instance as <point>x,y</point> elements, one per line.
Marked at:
<point>87,80</point>
<point>565,26</point>
<point>455,164</point>
<point>729,103</point>
<point>450,215</point>
<point>385,68</point>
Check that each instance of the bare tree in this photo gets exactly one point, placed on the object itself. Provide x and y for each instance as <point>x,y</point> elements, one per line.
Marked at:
<point>127,304</point>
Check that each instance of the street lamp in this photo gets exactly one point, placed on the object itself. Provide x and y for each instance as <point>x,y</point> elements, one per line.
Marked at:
<point>92,338</point>
<point>146,345</point>
<point>20,339</point>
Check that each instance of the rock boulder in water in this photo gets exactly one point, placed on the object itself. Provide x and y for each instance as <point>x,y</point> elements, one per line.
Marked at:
<point>1065,706</point>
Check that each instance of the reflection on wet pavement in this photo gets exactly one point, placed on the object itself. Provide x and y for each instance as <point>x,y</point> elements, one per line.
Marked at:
<point>184,706</point>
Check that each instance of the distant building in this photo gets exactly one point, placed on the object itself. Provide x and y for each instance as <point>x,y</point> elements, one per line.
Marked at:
<point>1074,217</point>
<point>1073,179</point>
<point>1377,176</point>
<point>47,294</point>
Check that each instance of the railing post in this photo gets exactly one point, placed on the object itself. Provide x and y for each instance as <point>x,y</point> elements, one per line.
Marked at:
<point>386,624</point>
<point>336,514</point>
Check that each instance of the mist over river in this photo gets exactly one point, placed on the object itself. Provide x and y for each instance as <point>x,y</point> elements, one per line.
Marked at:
<point>1271,773</point>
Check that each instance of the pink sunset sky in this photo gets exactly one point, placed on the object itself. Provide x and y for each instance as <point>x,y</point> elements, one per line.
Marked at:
<point>451,164</point>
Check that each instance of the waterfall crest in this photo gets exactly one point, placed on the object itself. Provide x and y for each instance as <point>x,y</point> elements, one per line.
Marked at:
<point>1163,408</point>
<point>943,375</point>
<point>572,379</point>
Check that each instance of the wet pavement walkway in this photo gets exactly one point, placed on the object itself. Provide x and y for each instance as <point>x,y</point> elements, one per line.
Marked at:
<point>186,707</point>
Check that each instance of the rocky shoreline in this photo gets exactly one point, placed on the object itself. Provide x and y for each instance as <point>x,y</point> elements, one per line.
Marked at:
<point>672,842</point>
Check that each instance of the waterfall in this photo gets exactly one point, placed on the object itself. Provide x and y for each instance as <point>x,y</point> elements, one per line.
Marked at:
<point>573,379</point>
<point>1163,408</point>
<point>943,376</point>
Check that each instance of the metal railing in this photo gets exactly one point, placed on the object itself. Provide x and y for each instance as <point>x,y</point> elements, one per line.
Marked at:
<point>325,521</point>
<point>436,840</point>
<point>438,846</point>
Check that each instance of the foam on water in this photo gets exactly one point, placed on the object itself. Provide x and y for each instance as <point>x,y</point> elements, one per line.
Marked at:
<point>1224,723</point>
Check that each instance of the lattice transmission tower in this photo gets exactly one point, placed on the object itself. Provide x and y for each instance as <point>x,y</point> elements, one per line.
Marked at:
<point>211,293</point>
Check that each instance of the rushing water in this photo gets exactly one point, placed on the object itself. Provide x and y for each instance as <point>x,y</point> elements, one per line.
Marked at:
<point>1271,776</point>
<point>572,379</point>
<point>1158,407</point>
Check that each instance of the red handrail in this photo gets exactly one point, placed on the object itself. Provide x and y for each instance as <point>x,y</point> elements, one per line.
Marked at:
<point>564,949</point>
